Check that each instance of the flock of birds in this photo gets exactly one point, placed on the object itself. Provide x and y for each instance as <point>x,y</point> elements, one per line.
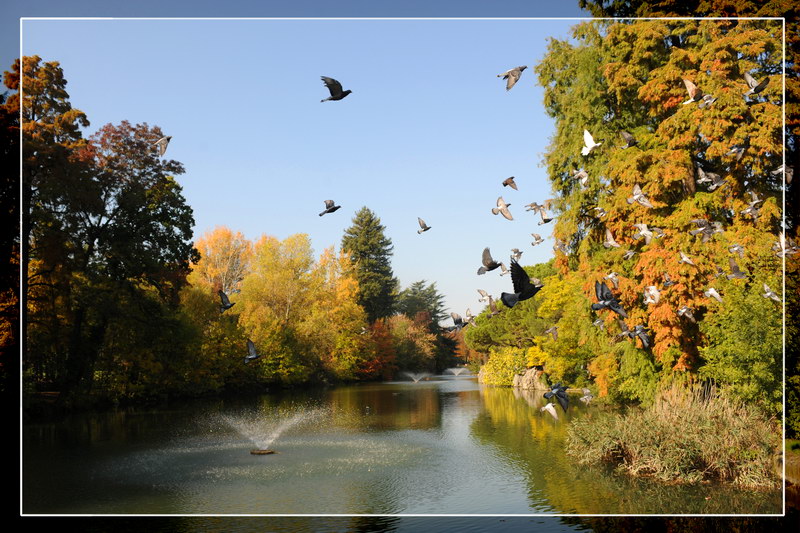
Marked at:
<point>525,287</point>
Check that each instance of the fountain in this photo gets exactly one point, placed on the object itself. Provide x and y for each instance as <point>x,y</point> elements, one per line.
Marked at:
<point>263,431</point>
<point>457,370</point>
<point>416,376</point>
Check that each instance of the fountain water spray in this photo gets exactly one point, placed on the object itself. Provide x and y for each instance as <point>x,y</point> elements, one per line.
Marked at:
<point>457,371</point>
<point>262,430</point>
<point>416,376</point>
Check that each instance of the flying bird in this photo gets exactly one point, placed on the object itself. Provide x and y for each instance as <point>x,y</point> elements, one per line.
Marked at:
<point>550,408</point>
<point>629,254</point>
<point>545,218</point>
<point>493,310</point>
<point>488,263</point>
<point>329,207</point>
<point>552,331</point>
<point>587,396</point>
<point>599,323</point>
<point>705,228</point>
<point>600,212</point>
<point>560,393</point>
<point>613,278</point>
<point>787,172</point>
<point>712,293</point>
<point>523,288</point>
<point>502,208</point>
<point>225,303</point>
<point>751,210</point>
<point>712,178</point>
<point>629,139</point>
<point>695,94</point>
<point>638,196</point>
<point>161,145</point>
<point>706,101</point>
<point>643,232</point>
<point>651,295</point>
<point>484,295</point>
<point>509,182</point>
<point>422,225</point>
<point>737,150</point>
<point>458,322</point>
<point>737,249</point>
<point>512,76</point>
<point>736,273</point>
<point>784,247</point>
<point>335,89</point>
<point>754,85</point>
<point>769,293</point>
<point>685,259</point>
<point>516,254</point>
<point>582,176</point>
<point>606,300</point>
<point>610,242</point>
<point>667,281</point>
<point>641,332</point>
<point>251,352</point>
<point>503,269</point>
<point>537,239</point>
<point>561,246</point>
<point>588,143</point>
<point>686,312</point>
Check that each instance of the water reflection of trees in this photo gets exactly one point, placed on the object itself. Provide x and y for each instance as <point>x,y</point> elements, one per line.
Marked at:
<point>415,406</point>
<point>532,440</point>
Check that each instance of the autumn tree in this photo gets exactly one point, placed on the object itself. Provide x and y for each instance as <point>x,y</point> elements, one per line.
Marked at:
<point>225,258</point>
<point>110,247</point>
<point>303,314</point>
<point>9,242</point>
<point>371,251</point>
<point>629,76</point>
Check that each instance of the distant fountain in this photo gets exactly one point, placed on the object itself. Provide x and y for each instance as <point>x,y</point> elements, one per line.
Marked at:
<point>263,430</point>
<point>458,370</point>
<point>416,376</point>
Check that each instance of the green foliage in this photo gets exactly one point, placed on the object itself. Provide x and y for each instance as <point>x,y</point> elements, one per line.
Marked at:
<point>371,251</point>
<point>744,350</point>
<point>421,298</point>
<point>504,363</point>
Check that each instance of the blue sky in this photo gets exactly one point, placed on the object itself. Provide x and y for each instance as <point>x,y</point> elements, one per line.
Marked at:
<point>428,131</point>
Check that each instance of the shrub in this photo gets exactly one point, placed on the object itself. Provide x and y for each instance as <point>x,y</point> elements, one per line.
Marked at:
<point>689,434</point>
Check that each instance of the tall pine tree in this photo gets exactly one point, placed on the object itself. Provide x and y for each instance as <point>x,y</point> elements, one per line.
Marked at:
<point>371,251</point>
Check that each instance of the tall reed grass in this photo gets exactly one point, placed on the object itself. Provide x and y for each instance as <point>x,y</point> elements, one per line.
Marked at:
<point>689,435</point>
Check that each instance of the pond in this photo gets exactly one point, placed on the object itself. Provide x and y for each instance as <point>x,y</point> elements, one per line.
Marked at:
<point>445,445</point>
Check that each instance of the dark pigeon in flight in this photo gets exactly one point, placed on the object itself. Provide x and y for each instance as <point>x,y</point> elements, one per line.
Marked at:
<point>509,182</point>
<point>523,288</point>
<point>736,273</point>
<point>251,352</point>
<point>488,263</point>
<point>512,75</point>
<point>606,300</point>
<point>225,303</point>
<point>560,393</point>
<point>629,139</point>
<point>329,207</point>
<point>335,89</point>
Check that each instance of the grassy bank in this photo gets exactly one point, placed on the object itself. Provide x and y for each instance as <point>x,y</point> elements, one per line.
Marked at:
<point>685,437</point>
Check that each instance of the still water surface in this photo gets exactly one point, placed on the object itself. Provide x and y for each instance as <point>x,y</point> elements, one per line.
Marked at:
<point>443,446</point>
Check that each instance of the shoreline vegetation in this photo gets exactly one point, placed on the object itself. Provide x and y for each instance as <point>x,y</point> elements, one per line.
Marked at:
<point>689,435</point>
